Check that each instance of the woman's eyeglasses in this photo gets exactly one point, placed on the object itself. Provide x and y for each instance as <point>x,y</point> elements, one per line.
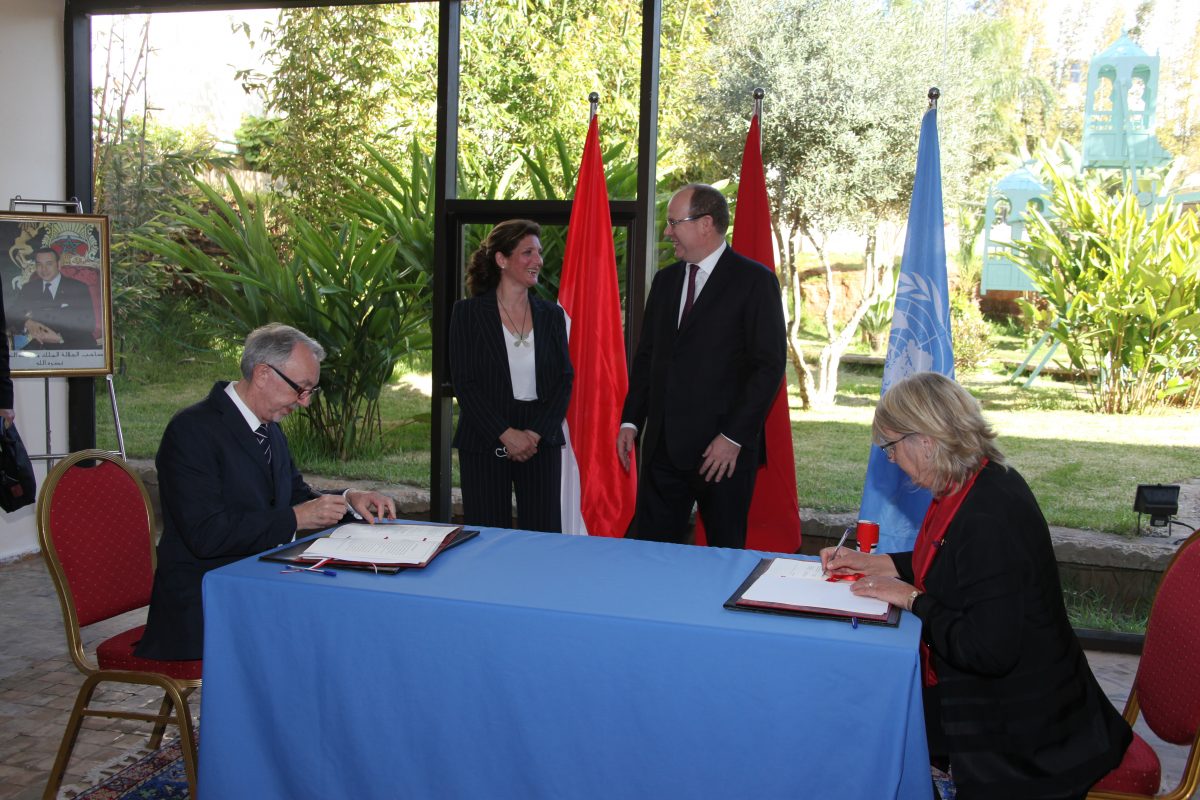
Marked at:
<point>889,448</point>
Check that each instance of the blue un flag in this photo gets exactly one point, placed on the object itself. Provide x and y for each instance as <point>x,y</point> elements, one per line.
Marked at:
<point>919,342</point>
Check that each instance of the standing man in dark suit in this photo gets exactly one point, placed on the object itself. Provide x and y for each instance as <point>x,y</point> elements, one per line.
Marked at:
<point>56,311</point>
<point>229,488</point>
<point>709,362</point>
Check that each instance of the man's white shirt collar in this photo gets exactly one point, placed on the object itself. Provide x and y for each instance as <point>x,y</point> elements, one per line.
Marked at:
<point>709,262</point>
<point>251,418</point>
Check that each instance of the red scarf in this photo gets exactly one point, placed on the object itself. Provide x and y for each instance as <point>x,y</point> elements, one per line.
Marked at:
<point>929,543</point>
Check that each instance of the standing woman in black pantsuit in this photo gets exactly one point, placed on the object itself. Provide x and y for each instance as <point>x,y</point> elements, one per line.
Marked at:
<point>512,376</point>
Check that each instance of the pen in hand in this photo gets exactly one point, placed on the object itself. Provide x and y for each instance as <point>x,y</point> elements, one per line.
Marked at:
<point>837,549</point>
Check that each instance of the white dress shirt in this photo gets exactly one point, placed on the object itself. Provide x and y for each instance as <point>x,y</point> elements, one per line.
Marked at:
<point>706,265</point>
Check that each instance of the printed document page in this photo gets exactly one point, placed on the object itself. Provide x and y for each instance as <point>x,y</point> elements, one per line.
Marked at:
<point>801,584</point>
<point>363,530</point>
<point>381,544</point>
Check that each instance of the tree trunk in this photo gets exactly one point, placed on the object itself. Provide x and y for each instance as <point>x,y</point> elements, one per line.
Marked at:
<point>831,354</point>
<point>793,301</point>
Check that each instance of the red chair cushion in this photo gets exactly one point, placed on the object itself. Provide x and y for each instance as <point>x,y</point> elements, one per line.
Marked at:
<point>1168,694</point>
<point>1138,773</point>
<point>99,526</point>
<point>117,653</point>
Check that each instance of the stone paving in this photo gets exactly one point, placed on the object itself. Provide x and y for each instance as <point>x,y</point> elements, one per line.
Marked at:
<point>38,685</point>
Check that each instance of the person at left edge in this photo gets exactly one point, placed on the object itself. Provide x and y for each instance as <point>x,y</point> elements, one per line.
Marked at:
<point>512,375</point>
<point>6,384</point>
<point>224,497</point>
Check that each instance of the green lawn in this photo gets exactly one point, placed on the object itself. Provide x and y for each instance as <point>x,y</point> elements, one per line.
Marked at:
<point>1083,467</point>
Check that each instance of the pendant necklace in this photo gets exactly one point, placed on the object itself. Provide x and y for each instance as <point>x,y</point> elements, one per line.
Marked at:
<point>522,334</point>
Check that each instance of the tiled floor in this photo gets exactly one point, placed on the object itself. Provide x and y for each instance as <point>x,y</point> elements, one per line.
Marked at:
<point>38,685</point>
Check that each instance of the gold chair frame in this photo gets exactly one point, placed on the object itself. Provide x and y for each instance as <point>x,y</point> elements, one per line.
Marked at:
<point>1190,780</point>
<point>174,708</point>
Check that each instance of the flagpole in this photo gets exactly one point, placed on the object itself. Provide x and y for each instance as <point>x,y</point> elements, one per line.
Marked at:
<point>594,106</point>
<point>919,340</point>
<point>758,98</point>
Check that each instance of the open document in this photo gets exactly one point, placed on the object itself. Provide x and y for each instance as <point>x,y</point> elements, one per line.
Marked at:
<point>384,544</point>
<point>788,584</point>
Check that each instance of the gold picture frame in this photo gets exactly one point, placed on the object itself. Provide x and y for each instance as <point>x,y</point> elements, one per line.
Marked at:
<point>54,274</point>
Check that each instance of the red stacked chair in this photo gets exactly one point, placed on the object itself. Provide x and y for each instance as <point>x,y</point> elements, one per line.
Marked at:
<point>1165,690</point>
<point>96,528</point>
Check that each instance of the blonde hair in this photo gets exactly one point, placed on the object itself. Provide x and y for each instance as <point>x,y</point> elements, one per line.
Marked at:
<point>933,405</point>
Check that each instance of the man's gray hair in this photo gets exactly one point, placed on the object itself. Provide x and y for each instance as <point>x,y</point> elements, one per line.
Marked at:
<point>273,344</point>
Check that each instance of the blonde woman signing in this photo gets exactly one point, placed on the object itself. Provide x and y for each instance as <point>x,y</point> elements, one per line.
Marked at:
<point>1010,700</point>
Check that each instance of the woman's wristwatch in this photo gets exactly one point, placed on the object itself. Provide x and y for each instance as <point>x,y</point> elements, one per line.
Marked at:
<point>912,598</point>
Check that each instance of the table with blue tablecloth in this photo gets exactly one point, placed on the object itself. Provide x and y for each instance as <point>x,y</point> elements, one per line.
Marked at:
<point>531,665</point>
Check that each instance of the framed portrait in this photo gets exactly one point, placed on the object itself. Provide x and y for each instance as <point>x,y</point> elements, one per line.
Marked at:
<point>57,302</point>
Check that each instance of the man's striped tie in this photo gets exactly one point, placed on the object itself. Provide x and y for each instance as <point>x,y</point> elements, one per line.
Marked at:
<point>264,441</point>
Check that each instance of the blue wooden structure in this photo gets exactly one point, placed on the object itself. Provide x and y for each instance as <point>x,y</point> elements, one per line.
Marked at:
<point>1009,204</point>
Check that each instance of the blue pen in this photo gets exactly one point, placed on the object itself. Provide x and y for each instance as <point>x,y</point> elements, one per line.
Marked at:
<point>854,622</point>
<point>331,573</point>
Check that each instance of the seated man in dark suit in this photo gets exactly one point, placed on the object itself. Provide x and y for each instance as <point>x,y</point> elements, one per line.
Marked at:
<point>229,488</point>
<point>56,312</point>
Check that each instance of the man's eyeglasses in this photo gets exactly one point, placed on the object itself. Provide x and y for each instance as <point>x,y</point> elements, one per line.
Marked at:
<point>301,392</point>
<point>889,448</point>
<point>673,222</point>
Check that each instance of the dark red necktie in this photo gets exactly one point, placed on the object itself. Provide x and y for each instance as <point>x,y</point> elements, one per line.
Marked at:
<point>691,293</point>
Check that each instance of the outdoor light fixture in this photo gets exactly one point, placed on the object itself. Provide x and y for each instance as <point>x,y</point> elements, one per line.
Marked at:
<point>1158,500</point>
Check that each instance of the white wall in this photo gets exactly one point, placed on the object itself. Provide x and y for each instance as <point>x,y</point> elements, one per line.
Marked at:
<point>33,165</point>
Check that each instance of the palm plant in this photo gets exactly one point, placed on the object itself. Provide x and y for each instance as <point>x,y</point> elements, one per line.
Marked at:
<point>1124,284</point>
<point>347,285</point>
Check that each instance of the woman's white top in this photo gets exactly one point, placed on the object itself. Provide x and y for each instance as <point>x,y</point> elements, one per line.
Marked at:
<point>521,365</point>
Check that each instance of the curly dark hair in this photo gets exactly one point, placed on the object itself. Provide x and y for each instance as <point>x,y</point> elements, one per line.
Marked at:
<point>483,273</point>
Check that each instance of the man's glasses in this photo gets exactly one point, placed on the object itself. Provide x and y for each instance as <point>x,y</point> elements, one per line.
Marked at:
<point>673,222</point>
<point>301,392</point>
<point>889,448</point>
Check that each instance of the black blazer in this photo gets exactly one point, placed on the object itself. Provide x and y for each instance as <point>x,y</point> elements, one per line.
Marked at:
<point>719,372</point>
<point>483,383</point>
<point>221,502</point>
<point>69,313</point>
<point>1016,706</point>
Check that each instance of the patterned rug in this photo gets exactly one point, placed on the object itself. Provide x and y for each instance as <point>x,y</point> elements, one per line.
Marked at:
<point>159,774</point>
<point>944,784</point>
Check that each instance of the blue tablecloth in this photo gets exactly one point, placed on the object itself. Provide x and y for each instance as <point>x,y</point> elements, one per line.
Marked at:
<point>528,665</point>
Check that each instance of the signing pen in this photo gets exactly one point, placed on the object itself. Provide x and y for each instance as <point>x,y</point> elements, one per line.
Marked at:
<point>838,549</point>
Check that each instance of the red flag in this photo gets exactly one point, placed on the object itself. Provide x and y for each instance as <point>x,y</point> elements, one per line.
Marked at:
<point>774,521</point>
<point>598,495</point>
